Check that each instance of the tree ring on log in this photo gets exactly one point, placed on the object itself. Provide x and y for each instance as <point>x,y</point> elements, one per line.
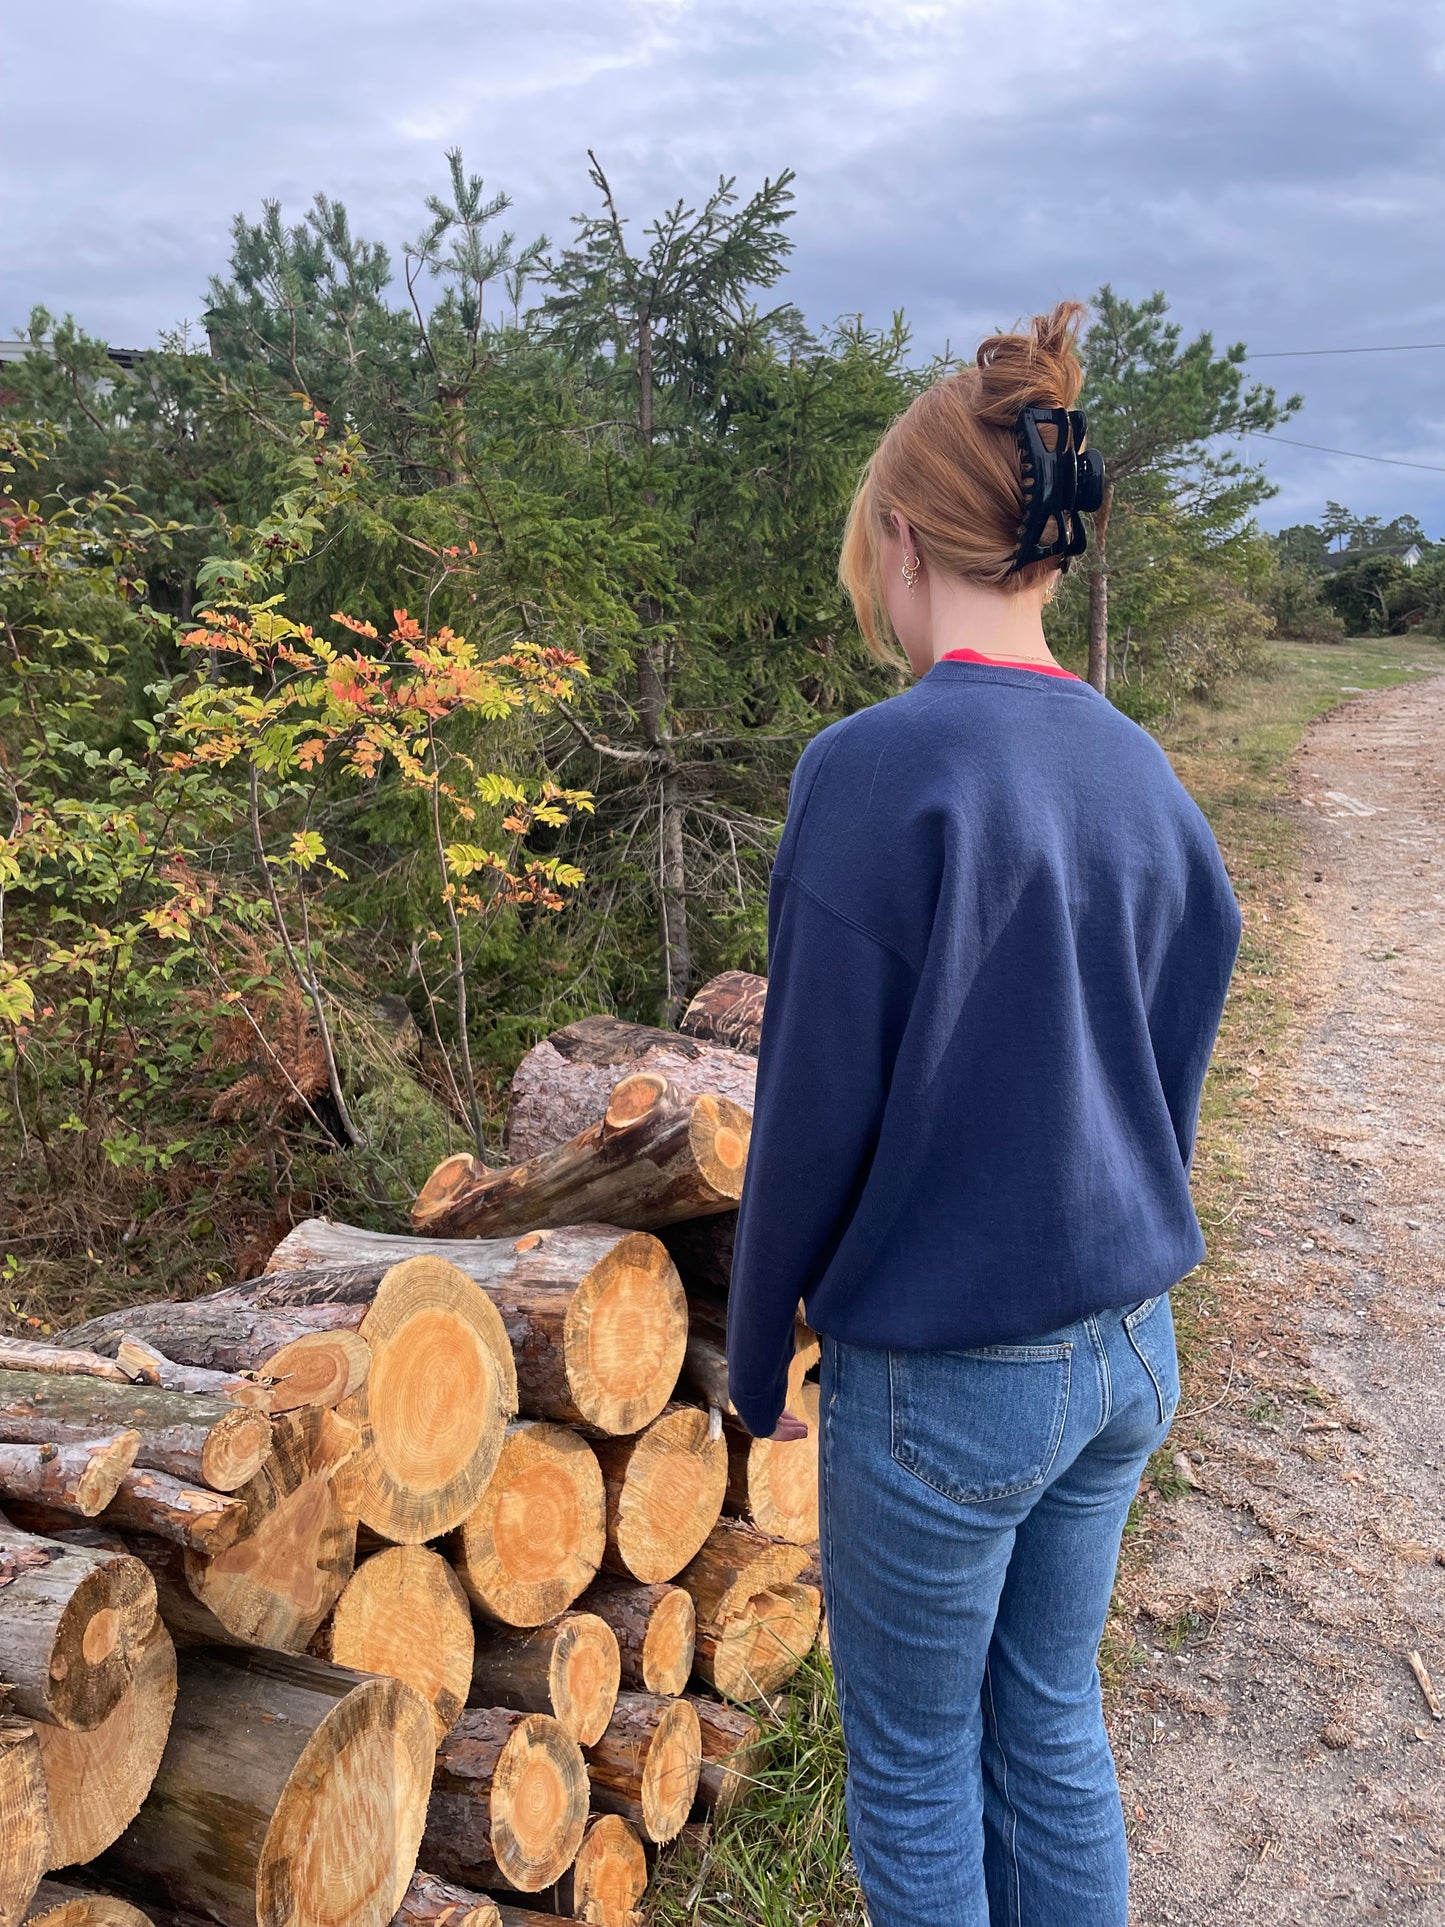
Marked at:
<point>667,1493</point>
<point>669,1643</point>
<point>624,1336</point>
<point>404,1614</point>
<point>536,1539</point>
<point>670,1775</point>
<point>583,1676</point>
<point>55,1905</point>
<point>539,1804</point>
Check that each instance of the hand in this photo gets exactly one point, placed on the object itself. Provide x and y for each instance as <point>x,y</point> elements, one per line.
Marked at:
<point>789,1429</point>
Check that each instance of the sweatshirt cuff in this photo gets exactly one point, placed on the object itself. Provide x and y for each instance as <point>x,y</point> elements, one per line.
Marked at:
<point>760,1410</point>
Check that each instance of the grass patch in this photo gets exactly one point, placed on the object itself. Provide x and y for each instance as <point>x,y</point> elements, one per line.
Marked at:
<point>780,1859</point>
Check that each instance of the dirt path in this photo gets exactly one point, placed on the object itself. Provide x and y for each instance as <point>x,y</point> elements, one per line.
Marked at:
<point>1279,1760</point>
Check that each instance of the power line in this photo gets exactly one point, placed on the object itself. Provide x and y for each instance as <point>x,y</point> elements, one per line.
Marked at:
<point>1295,354</point>
<point>1352,454</point>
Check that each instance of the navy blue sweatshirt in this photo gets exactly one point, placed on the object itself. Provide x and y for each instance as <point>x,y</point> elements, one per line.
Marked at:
<point>999,938</point>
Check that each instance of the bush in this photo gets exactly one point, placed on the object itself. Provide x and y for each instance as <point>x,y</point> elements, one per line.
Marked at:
<point>1293,598</point>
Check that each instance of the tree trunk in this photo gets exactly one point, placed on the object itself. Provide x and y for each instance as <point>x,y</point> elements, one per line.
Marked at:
<point>430,1902</point>
<point>205,1440</point>
<point>78,1480</point>
<point>509,1803</point>
<point>403,1614</point>
<point>596,1319</point>
<point>728,1010</point>
<point>676,940</point>
<point>24,1818</point>
<point>606,1882</point>
<point>536,1539</point>
<point>646,1765</point>
<point>58,1904</point>
<point>755,1650</point>
<point>569,1669</point>
<point>291,1794</point>
<point>733,1752</point>
<point>72,1622</point>
<point>656,1629</point>
<point>650,1160</point>
<point>1099,596</point>
<point>95,1781</point>
<point>564,1083</point>
<point>665,1489</point>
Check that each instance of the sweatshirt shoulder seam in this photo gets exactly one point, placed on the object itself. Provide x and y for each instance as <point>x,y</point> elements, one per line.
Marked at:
<point>793,881</point>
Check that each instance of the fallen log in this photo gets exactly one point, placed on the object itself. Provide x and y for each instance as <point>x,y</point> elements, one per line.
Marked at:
<point>665,1489</point>
<point>774,1483</point>
<point>435,1398</point>
<point>71,1624</point>
<point>646,1765</point>
<point>606,1882</point>
<point>728,1010</point>
<point>651,1159</point>
<point>75,1480</point>
<point>403,1613</point>
<point>144,1365</point>
<point>432,1902</point>
<point>595,1317</point>
<point>95,1781</point>
<point>509,1802</point>
<point>757,1649</point>
<point>29,1355</point>
<point>733,1753</point>
<point>58,1904</point>
<point>291,1794</point>
<point>313,1353</point>
<point>564,1083</point>
<point>205,1440</point>
<point>535,1540</point>
<point>655,1627</point>
<point>569,1669</point>
<point>150,1504</point>
<point>735,1564</point>
<point>24,1819</point>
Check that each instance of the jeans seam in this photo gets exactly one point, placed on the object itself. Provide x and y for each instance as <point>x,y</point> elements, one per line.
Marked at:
<point>1016,1883</point>
<point>1106,1377</point>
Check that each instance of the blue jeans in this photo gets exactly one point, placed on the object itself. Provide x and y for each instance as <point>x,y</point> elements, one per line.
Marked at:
<point>972,1507</point>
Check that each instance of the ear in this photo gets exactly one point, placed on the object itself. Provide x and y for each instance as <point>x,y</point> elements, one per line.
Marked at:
<point>904,531</point>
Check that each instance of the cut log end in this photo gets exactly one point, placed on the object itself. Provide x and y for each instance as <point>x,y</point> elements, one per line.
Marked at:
<point>584,1675</point>
<point>432,1902</point>
<point>538,1804</point>
<point>669,1644</point>
<point>78,1480</point>
<point>720,1134</point>
<point>633,1098</point>
<point>608,1878</point>
<point>624,1336</point>
<point>665,1492</point>
<point>450,1178</point>
<point>536,1539</point>
<point>72,1623</point>
<point>236,1448</point>
<point>24,1818</point>
<point>775,1483</point>
<point>57,1905</point>
<point>760,1647</point>
<point>321,1368</point>
<point>403,1614</point>
<point>646,1764</point>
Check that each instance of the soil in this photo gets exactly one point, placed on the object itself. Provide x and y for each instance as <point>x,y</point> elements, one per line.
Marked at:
<point>1279,1759</point>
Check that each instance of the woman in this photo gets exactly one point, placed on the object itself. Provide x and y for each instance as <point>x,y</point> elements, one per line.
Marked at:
<point>1000,935</point>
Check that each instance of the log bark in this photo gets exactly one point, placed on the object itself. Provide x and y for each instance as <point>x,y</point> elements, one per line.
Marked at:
<point>58,1904</point>
<point>317,1345</point>
<point>536,1539</point>
<point>205,1440</point>
<point>775,1483</point>
<point>665,1489</point>
<point>24,1819</point>
<point>291,1794</point>
<point>734,1566</point>
<point>439,1383</point>
<point>75,1480</point>
<point>28,1355</point>
<point>564,1084</point>
<point>656,1629</point>
<point>728,1010</point>
<point>733,1753</point>
<point>755,1650</point>
<point>605,1883</point>
<point>509,1803</point>
<point>188,1515</point>
<point>95,1781</point>
<point>596,1318</point>
<point>281,1577</point>
<point>431,1902</point>
<point>72,1621</point>
<point>144,1365</point>
<point>569,1669</point>
<point>651,1159</point>
<point>646,1765</point>
<point>403,1613</point>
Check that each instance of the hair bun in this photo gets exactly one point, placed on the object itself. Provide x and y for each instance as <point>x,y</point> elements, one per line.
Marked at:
<point>1041,366</point>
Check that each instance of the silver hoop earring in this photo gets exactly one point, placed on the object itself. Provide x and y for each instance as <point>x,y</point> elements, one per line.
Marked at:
<point>910,569</point>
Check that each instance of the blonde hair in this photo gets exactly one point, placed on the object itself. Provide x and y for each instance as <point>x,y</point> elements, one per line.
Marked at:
<point>950,466</point>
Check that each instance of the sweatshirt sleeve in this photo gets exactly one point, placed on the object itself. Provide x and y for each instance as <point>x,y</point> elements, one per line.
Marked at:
<point>835,1006</point>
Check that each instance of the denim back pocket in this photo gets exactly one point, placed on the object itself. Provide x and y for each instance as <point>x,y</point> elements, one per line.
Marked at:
<point>980,1425</point>
<point>1150,1329</point>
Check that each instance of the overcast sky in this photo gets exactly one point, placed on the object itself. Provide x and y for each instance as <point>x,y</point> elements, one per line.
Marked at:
<point>1276,166</point>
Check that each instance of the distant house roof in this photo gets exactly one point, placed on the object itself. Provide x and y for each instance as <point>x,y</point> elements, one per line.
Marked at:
<point>1407,552</point>
<point>17,351</point>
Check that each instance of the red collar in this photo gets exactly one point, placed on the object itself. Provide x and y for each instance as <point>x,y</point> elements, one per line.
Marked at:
<point>997,662</point>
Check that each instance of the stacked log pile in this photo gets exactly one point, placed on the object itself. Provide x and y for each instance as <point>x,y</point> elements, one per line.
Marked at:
<point>420,1576</point>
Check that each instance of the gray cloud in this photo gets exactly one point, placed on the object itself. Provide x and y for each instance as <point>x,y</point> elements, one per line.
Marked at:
<point>1276,169</point>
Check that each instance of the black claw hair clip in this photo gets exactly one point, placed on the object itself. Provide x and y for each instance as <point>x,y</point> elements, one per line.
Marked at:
<point>1062,484</point>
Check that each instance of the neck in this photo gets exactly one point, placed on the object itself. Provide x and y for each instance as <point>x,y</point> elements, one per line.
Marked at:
<point>968,615</point>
